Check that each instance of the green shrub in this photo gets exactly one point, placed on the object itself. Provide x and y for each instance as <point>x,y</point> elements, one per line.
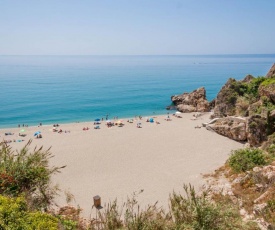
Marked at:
<point>111,217</point>
<point>269,212</point>
<point>150,218</point>
<point>28,173</point>
<point>68,224</point>
<point>268,81</point>
<point>253,86</point>
<point>245,159</point>
<point>15,215</point>
<point>197,212</point>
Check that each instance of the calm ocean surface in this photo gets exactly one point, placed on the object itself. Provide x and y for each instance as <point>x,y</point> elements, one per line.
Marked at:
<point>62,89</point>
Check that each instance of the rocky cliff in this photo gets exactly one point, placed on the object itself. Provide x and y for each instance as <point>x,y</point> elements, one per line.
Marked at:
<point>253,99</point>
<point>246,108</point>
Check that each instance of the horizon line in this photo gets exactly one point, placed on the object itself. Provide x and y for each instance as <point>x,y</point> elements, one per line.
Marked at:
<point>247,54</point>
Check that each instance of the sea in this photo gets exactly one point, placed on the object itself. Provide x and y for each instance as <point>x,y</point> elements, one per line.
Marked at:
<point>65,89</point>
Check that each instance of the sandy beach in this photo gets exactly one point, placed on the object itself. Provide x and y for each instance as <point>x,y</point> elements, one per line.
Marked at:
<point>115,162</point>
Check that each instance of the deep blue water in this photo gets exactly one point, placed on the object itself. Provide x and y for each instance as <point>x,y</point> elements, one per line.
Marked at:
<point>61,89</point>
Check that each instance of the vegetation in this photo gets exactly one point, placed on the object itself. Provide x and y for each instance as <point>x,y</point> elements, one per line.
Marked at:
<point>191,211</point>
<point>242,105</point>
<point>268,81</point>
<point>27,173</point>
<point>25,180</point>
<point>14,214</point>
<point>253,86</point>
<point>199,212</point>
<point>246,159</point>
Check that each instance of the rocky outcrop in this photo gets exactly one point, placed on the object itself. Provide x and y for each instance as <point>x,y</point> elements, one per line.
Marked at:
<point>226,100</point>
<point>248,78</point>
<point>256,130</point>
<point>271,72</point>
<point>252,129</point>
<point>268,91</point>
<point>251,191</point>
<point>192,102</point>
<point>232,127</point>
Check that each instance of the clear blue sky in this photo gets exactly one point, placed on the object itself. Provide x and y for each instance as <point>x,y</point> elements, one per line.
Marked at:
<point>136,27</point>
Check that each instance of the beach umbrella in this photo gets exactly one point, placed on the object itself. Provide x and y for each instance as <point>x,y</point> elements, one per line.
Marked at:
<point>151,120</point>
<point>22,130</point>
<point>36,133</point>
<point>178,113</point>
<point>97,119</point>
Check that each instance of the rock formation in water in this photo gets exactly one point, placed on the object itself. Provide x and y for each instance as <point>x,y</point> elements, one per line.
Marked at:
<point>192,102</point>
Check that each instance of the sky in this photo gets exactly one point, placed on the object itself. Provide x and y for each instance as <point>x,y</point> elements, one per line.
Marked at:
<point>136,27</point>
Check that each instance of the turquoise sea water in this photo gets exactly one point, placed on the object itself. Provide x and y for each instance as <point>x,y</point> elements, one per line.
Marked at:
<point>62,89</point>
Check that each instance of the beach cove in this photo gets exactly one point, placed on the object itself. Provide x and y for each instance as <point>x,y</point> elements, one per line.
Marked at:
<point>118,161</point>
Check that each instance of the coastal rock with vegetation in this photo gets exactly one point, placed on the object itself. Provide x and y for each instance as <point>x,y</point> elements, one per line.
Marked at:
<point>248,177</point>
<point>248,180</point>
<point>267,89</point>
<point>192,102</point>
<point>252,99</point>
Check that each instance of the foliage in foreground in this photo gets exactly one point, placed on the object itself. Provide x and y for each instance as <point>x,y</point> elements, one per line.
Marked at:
<point>242,160</point>
<point>15,215</point>
<point>27,194</point>
<point>191,211</point>
<point>28,173</point>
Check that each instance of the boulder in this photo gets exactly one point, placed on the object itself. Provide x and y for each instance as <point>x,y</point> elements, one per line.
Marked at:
<point>256,130</point>
<point>271,72</point>
<point>192,102</point>
<point>231,127</point>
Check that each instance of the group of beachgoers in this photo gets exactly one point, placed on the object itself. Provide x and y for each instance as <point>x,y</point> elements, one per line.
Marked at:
<point>97,123</point>
<point>23,125</point>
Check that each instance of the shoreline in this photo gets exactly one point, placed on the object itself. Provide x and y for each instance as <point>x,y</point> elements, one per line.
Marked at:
<point>115,162</point>
<point>14,126</point>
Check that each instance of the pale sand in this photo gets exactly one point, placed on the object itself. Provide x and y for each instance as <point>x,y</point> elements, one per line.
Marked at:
<point>115,162</point>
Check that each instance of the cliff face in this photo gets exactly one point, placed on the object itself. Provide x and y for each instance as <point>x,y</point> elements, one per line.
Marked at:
<point>251,98</point>
<point>226,100</point>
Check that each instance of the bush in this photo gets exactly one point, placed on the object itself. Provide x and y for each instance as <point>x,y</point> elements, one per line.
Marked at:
<point>253,86</point>
<point>28,173</point>
<point>198,212</point>
<point>246,159</point>
<point>268,81</point>
<point>15,215</point>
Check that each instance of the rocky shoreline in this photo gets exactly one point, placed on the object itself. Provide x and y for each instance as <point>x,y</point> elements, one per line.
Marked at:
<point>243,111</point>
